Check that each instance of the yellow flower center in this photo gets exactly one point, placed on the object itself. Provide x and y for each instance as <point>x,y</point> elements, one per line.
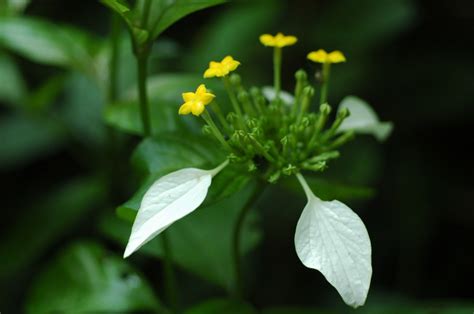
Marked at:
<point>321,56</point>
<point>279,40</point>
<point>195,102</point>
<point>220,69</point>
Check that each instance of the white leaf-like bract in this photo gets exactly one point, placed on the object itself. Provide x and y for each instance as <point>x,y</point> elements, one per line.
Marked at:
<point>270,94</point>
<point>332,239</point>
<point>169,199</point>
<point>363,119</point>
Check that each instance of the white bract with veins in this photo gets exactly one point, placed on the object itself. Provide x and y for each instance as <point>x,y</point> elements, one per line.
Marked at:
<point>331,238</point>
<point>363,119</point>
<point>169,199</point>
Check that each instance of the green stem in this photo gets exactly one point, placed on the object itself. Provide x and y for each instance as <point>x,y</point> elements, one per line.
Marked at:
<point>325,83</point>
<point>233,100</point>
<point>114,58</point>
<point>168,274</point>
<point>236,238</point>
<point>142,65</point>
<point>207,117</point>
<point>277,71</point>
<point>146,14</point>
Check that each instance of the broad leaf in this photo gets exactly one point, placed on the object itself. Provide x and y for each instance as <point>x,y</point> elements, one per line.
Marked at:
<point>221,306</point>
<point>171,11</point>
<point>47,43</point>
<point>13,88</point>
<point>86,278</point>
<point>331,238</point>
<point>169,199</point>
<point>363,119</point>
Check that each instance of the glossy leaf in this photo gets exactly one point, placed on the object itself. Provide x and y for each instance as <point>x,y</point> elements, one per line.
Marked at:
<point>169,199</point>
<point>169,12</point>
<point>86,278</point>
<point>220,306</point>
<point>47,43</point>
<point>331,238</point>
<point>363,119</point>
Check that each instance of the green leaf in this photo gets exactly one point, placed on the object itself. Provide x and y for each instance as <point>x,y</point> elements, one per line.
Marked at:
<point>12,7</point>
<point>165,98</point>
<point>328,190</point>
<point>13,88</point>
<point>229,181</point>
<point>86,278</point>
<point>119,6</point>
<point>26,137</point>
<point>208,231</point>
<point>46,220</point>
<point>220,306</point>
<point>47,43</point>
<point>169,12</point>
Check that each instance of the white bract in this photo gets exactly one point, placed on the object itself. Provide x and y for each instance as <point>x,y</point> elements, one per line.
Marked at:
<point>331,238</point>
<point>169,199</point>
<point>270,94</point>
<point>363,119</point>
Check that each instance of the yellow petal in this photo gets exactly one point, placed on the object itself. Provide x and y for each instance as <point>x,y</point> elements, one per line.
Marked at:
<point>185,108</point>
<point>188,96</point>
<point>320,56</point>
<point>206,98</point>
<point>210,73</point>
<point>201,90</point>
<point>289,40</point>
<point>214,64</point>
<point>267,40</point>
<point>336,57</point>
<point>197,108</point>
<point>231,66</point>
<point>227,59</point>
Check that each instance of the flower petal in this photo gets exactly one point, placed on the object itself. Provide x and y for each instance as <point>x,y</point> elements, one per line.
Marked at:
<point>336,57</point>
<point>185,108</point>
<point>267,40</point>
<point>197,108</point>
<point>363,119</point>
<point>270,94</point>
<point>206,98</point>
<point>188,96</point>
<point>319,56</point>
<point>211,72</point>
<point>201,90</point>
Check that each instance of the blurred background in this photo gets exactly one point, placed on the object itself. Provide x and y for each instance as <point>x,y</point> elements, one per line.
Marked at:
<point>411,60</point>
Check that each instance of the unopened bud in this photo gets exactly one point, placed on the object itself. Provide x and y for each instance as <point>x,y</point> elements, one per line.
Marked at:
<point>325,109</point>
<point>235,79</point>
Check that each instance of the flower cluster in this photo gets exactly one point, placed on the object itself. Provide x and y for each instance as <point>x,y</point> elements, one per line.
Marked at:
<point>273,133</point>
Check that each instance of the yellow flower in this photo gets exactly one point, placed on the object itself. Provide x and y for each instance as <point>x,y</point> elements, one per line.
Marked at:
<point>220,69</point>
<point>194,102</point>
<point>322,56</point>
<point>279,40</point>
